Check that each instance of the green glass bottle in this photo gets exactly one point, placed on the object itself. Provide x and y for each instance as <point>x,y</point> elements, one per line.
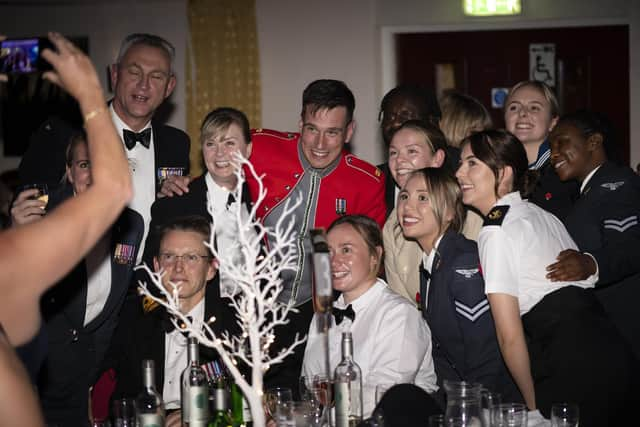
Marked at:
<point>221,416</point>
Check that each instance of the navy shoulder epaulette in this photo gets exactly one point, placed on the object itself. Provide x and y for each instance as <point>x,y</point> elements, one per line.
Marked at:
<point>496,215</point>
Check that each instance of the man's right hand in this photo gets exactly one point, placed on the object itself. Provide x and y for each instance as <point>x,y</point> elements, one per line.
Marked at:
<point>26,208</point>
<point>174,185</point>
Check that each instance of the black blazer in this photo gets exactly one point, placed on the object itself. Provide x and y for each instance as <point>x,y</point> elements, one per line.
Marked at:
<point>553,195</point>
<point>167,209</point>
<point>141,336</point>
<point>605,222</point>
<point>465,347</point>
<point>75,352</point>
<point>44,160</point>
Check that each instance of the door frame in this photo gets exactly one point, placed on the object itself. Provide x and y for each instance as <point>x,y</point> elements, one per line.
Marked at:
<point>388,53</point>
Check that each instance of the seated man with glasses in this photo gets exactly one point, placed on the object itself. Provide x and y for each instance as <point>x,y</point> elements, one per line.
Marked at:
<point>150,334</point>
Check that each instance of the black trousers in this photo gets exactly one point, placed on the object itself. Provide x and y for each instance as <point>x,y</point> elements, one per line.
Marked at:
<point>578,356</point>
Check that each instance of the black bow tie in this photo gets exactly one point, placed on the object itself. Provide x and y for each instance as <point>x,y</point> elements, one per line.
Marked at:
<point>168,326</point>
<point>130,138</point>
<point>340,314</point>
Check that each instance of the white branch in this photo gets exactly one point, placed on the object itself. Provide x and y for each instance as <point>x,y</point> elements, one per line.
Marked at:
<point>258,282</point>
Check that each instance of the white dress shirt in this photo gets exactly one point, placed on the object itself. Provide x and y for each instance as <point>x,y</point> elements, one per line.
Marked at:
<point>515,255</point>
<point>227,232</point>
<point>98,264</point>
<point>391,343</point>
<point>176,358</point>
<point>142,164</point>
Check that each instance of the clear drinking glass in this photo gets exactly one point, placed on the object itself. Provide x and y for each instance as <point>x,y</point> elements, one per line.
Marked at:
<point>509,415</point>
<point>317,399</point>
<point>488,400</point>
<point>463,403</point>
<point>124,413</point>
<point>565,415</point>
<point>381,389</point>
<point>43,191</point>
<point>436,420</point>
<point>276,396</point>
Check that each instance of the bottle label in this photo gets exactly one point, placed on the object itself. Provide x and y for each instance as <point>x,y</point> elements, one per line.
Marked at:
<point>246,410</point>
<point>198,409</point>
<point>342,404</point>
<point>150,420</point>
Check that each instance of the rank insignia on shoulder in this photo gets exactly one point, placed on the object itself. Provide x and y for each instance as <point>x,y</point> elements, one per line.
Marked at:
<point>496,215</point>
<point>612,186</point>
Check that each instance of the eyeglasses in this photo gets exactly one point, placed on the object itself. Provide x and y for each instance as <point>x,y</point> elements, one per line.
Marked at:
<point>169,259</point>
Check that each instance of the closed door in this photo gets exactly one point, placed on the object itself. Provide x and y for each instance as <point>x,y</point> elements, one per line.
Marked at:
<point>592,67</point>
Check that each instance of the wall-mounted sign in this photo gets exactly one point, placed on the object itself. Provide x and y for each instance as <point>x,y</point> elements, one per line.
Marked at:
<point>491,7</point>
<point>499,96</point>
<point>542,63</point>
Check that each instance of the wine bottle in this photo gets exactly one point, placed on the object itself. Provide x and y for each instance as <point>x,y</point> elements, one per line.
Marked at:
<point>348,386</point>
<point>194,391</point>
<point>149,404</point>
<point>221,416</point>
<point>322,285</point>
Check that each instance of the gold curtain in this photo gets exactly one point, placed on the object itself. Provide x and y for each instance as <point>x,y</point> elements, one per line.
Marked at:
<point>222,67</point>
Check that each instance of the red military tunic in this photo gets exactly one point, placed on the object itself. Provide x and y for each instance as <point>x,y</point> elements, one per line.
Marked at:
<point>354,187</point>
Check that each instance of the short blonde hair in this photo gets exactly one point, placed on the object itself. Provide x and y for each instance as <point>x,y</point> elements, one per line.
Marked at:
<point>461,116</point>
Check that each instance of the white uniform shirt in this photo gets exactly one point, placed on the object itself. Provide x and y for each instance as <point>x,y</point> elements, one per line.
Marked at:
<point>227,231</point>
<point>515,255</point>
<point>176,358</point>
<point>142,164</point>
<point>98,264</point>
<point>391,343</point>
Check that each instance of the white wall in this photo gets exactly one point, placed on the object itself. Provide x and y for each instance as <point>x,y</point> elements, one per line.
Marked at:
<point>302,40</point>
<point>105,24</point>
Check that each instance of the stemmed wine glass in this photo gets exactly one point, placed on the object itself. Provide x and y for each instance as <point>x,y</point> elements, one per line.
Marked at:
<point>274,397</point>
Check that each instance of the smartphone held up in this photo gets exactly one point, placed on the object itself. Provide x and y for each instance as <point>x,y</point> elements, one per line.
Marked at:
<point>24,55</point>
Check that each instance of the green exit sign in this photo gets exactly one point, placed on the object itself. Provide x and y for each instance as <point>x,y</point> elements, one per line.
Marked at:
<point>492,7</point>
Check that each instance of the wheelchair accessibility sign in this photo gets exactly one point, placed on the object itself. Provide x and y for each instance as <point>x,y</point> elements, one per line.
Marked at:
<point>542,63</point>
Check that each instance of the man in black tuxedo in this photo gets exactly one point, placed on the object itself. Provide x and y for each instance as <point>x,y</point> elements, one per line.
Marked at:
<point>150,334</point>
<point>142,78</point>
<point>81,311</point>
<point>224,132</point>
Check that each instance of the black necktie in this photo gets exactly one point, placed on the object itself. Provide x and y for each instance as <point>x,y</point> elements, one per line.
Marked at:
<point>130,138</point>
<point>340,314</point>
<point>168,326</point>
<point>230,200</point>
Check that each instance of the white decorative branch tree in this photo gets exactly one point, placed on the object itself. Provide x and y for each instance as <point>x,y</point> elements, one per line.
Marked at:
<point>257,310</point>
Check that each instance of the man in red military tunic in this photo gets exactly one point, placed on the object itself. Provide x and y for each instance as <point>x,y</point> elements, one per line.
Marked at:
<point>314,166</point>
